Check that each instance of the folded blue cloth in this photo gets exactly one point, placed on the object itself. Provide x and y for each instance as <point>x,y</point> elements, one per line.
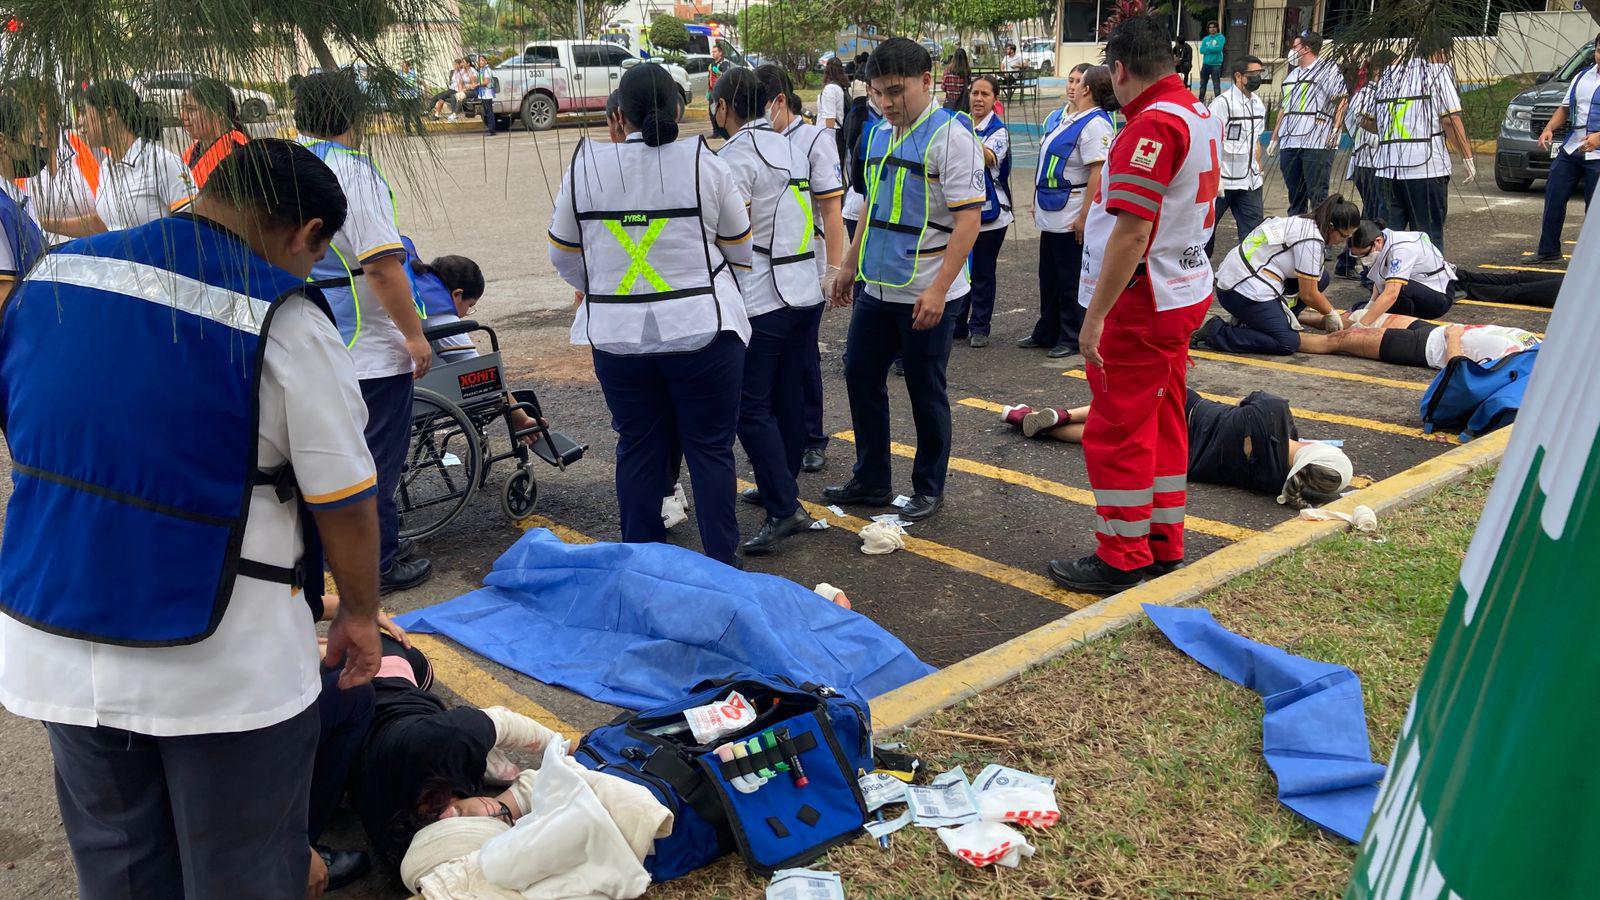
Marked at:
<point>1314,732</point>
<point>639,625</point>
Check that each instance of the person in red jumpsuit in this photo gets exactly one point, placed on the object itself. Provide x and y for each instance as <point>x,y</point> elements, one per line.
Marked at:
<point>1147,283</point>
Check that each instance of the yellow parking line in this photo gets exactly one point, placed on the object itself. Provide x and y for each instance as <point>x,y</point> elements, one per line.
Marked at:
<point>481,689</point>
<point>1057,489</point>
<point>1531,253</point>
<point>1309,370</point>
<point>1038,585</point>
<point>1492,303</point>
<point>561,531</point>
<point>1522,268</point>
<point>1311,414</point>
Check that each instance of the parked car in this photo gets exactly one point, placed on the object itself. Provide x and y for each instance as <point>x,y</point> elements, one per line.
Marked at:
<point>1518,158</point>
<point>165,90</point>
<point>553,78</point>
<point>1039,54</point>
<point>822,61</point>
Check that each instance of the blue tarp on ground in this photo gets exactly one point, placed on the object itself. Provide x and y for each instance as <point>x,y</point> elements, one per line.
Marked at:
<point>638,625</point>
<point>1314,732</point>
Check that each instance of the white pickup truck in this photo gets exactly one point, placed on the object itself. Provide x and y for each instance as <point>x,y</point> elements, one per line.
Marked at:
<point>554,78</point>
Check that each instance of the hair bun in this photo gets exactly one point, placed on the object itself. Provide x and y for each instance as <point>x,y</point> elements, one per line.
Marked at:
<point>658,128</point>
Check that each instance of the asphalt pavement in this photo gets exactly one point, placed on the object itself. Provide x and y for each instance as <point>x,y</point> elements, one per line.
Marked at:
<point>976,576</point>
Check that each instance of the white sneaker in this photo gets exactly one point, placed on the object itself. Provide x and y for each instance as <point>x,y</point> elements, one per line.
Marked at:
<point>1039,420</point>
<point>452,118</point>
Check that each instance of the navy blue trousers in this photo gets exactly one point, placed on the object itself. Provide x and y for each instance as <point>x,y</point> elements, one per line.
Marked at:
<point>816,438</point>
<point>772,422</point>
<point>388,438</point>
<point>666,401</point>
<point>1263,327</point>
<point>1569,174</point>
<point>976,314</point>
<point>1418,204</point>
<point>345,717</point>
<point>1060,313</point>
<point>879,332</point>
<point>1248,212</point>
<point>1305,174</point>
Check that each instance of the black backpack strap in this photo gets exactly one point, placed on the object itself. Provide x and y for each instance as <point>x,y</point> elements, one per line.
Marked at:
<point>281,480</point>
<point>691,784</point>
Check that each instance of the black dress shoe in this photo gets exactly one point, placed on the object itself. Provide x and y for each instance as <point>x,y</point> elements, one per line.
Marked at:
<point>774,530</point>
<point>405,548</point>
<point>1161,567</point>
<point>920,507</point>
<point>1547,258</point>
<point>814,460</point>
<point>345,867</point>
<point>856,492</point>
<point>1062,351</point>
<point>1202,335</point>
<point>751,496</point>
<point>1093,575</point>
<point>404,575</point>
<point>1028,343</point>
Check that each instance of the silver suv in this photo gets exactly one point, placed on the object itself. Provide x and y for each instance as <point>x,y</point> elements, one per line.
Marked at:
<point>1518,158</point>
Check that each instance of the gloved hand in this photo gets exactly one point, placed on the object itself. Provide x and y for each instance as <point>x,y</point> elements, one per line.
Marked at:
<point>1468,170</point>
<point>515,731</point>
<point>827,280</point>
<point>1272,147</point>
<point>1332,322</point>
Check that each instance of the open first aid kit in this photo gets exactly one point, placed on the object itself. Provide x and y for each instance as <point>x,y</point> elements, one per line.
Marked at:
<point>755,764</point>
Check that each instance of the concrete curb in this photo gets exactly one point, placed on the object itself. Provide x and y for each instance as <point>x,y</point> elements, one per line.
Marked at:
<point>903,706</point>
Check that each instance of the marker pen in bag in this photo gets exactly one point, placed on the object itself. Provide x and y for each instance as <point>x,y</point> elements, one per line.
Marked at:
<point>795,767</point>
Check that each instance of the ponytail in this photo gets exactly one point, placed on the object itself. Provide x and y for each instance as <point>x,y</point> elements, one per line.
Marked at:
<point>744,93</point>
<point>650,101</point>
<point>457,273</point>
<point>1336,213</point>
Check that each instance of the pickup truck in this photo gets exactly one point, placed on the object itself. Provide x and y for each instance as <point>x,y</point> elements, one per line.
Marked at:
<point>553,78</point>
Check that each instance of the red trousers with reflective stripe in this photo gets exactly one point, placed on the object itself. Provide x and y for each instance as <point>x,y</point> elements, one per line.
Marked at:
<point>1136,442</point>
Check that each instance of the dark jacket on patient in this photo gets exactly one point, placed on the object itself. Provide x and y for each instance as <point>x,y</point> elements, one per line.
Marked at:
<point>1217,434</point>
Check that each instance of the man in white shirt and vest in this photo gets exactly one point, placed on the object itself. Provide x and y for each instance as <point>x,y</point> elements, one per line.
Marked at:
<point>1307,130</point>
<point>1147,284</point>
<point>1242,117</point>
<point>1417,119</point>
<point>159,585</point>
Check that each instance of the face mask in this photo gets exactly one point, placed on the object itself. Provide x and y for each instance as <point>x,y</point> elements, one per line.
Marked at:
<point>716,129</point>
<point>1252,83</point>
<point>32,163</point>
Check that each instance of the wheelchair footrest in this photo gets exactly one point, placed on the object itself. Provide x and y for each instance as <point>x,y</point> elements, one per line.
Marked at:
<point>557,449</point>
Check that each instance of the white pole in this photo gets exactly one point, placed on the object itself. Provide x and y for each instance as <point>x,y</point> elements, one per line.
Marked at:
<point>582,31</point>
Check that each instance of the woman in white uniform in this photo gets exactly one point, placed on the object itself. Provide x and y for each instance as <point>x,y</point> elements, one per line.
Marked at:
<point>781,294</point>
<point>972,323</point>
<point>647,230</point>
<point>140,181</point>
<point>1077,139</point>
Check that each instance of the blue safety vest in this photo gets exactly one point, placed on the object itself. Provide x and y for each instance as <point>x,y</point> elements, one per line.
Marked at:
<point>129,370</point>
<point>433,297</point>
<point>1592,124</point>
<point>334,274</point>
<point>898,199</point>
<point>1051,189</point>
<point>992,206</point>
<point>26,240</point>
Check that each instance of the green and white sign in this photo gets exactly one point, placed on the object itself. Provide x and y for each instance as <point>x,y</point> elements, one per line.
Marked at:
<point>1494,788</point>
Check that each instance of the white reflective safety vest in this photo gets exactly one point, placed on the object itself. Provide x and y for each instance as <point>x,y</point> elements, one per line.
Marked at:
<point>1264,263</point>
<point>649,270</point>
<point>1175,261</point>
<point>1411,256</point>
<point>776,176</point>
<point>1245,117</point>
<point>1409,102</point>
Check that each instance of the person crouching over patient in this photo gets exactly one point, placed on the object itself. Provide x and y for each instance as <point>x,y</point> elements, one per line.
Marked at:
<point>1254,445</point>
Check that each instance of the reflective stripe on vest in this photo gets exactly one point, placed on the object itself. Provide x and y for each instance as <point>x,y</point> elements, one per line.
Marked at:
<point>1269,235</point>
<point>785,228</point>
<point>995,177</point>
<point>334,273</point>
<point>891,250</point>
<point>120,532</point>
<point>1049,192</point>
<point>22,234</point>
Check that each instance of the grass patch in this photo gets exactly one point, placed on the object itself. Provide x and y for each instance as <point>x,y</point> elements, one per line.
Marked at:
<point>1162,787</point>
<point>1483,109</point>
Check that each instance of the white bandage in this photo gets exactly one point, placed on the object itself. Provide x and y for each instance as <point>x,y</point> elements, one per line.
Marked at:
<point>1322,455</point>
<point>882,537</point>
<point>515,731</point>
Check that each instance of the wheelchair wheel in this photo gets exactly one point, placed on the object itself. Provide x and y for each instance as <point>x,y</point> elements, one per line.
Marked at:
<point>443,466</point>
<point>520,495</point>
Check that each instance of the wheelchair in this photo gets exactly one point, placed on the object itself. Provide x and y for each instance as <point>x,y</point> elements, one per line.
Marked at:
<point>449,454</point>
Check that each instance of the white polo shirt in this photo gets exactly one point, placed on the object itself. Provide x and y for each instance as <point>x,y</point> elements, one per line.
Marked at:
<point>1310,98</point>
<point>146,183</point>
<point>63,193</point>
<point>369,233</point>
<point>1411,256</point>
<point>260,667</point>
<point>827,174</point>
<point>1480,343</point>
<point>955,182</point>
<point>998,143</point>
<point>1278,250</point>
<point>8,260</point>
<point>1243,117</point>
<point>1094,145</point>
<point>830,105</point>
<point>1410,99</point>
<point>1363,106</point>
<point>1582,90</point>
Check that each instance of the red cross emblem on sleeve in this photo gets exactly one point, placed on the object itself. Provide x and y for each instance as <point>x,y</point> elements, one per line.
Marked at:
<point>1146,154</point>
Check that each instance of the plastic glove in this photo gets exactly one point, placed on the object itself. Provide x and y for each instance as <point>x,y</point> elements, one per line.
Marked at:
<point>827,280</point>
<point>1332,322</point>
<point>1272,147</point>
<point>1468,170</point>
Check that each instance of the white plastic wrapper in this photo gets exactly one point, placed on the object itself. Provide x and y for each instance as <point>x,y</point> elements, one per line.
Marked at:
<point>709,722</point>
<point>987,843</point>
<point>1011,795</point>
<point>805,884</point>
<point>947,800</point>
<point>880,789</point>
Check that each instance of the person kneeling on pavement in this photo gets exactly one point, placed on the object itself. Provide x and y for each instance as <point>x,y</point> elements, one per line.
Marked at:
<point>1416,279</point>
<point>1254,445</point>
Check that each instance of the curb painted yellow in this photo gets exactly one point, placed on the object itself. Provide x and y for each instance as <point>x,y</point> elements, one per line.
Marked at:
<point>481,689</point>
<point>1314,371</point>
<point>1055,488</point>
<point>1312,415</point>
<point>1038,585</point>
<point>905,705</point>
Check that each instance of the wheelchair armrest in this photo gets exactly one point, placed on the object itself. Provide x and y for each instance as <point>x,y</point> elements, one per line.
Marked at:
<point>449,329</point>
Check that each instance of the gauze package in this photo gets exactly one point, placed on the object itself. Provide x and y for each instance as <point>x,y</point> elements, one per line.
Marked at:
<point>714,720</point>
<point>987,843</point>
<point>1011,795</point>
